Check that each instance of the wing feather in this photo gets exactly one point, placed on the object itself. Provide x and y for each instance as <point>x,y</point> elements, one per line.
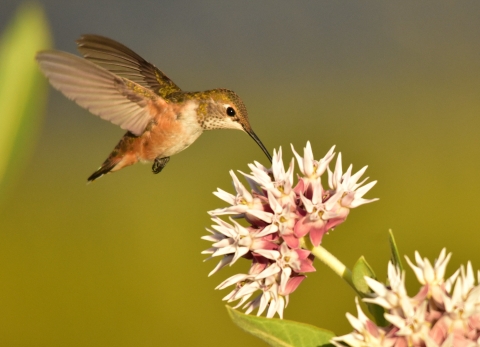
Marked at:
<point>104,94</point>
<point>124,62</point>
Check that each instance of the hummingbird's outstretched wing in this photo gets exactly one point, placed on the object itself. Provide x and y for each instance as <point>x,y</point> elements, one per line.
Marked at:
<point>124,62</point>
<point>113,98</point>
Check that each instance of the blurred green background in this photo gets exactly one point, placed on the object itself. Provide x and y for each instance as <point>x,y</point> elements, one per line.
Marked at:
<point>395,85</point>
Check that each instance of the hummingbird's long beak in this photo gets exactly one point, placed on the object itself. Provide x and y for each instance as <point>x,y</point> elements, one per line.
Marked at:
<point>257,140</point>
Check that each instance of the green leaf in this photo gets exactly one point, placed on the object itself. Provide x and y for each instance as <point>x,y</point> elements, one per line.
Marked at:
<point>281,333</point>
<point>22,90</point>
<point>360,270</point>
<point>395,256</point>
<point>377,313</point>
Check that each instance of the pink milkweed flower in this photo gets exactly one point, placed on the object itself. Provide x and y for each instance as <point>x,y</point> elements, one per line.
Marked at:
<point>365,333</point>
<point>279,214</point>
<point>244,204</point>
<point>347,183</point>
<point>432,277</point>
<point>287,261</point>
<point>443,313</point>
<point>318,213</point>
<point>233,241</point>
<point>277,181</point>
<point>312,169</point>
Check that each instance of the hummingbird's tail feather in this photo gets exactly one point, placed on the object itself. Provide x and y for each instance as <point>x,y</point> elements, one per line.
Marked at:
<point>106,167</point>
<point>116,160</point>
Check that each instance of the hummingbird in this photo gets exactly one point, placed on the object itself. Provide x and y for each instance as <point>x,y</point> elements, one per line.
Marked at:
<point>116,84</point>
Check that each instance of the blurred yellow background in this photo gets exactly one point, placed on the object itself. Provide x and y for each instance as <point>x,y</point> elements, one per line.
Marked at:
<point>395,85</point>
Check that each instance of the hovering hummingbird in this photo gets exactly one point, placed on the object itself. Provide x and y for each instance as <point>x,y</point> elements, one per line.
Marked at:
<point>118,85</point>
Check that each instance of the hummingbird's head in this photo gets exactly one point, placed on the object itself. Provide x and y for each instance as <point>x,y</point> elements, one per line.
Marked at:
<point>223,109</point>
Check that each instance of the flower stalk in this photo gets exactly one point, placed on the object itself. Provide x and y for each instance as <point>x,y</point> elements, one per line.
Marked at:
<point>333,263</point>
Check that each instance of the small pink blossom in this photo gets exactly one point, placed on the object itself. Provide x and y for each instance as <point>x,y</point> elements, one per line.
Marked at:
<point>319,212</point>
<point>233,242</point>
<point>311,169</point>
<point>287,260</point>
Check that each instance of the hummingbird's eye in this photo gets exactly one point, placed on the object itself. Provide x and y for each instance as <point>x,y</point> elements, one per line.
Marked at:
<point>230,111</point>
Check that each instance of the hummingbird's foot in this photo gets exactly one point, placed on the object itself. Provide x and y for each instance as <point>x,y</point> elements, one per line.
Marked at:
<point>159,164</point>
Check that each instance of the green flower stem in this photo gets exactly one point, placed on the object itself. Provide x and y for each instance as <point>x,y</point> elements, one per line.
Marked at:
<point>330,260</point>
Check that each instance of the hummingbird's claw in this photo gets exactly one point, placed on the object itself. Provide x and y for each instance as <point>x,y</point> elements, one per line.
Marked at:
<point>159,164</point>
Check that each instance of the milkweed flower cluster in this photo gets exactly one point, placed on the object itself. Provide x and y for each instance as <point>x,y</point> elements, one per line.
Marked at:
<point>279,214</point>
<point>445,312</point>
